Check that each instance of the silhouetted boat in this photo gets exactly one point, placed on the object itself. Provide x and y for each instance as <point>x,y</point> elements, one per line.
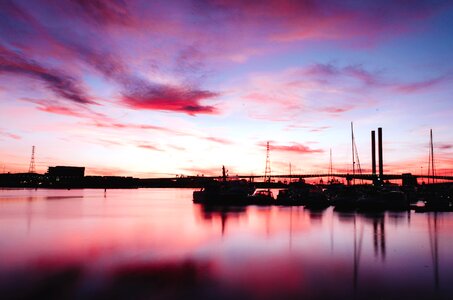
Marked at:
<point>296,194</point>
<point>346,198</point>
<point>225,193</point>
<point>261,197</point>
<point>395,200</point>
<point>370,199</point>
<point>388,197</point>
<point>437,202</point>
<point>316,198</point>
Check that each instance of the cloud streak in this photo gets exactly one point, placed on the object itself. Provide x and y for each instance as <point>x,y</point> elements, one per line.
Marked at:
<point>293,147</point>
<point>9,135</point>
<point>63,85</point>
<point>420,86</point>
<point>149,147</point>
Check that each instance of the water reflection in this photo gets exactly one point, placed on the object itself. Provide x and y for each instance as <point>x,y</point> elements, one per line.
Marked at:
<point>434,244</point>
<point>212,213</point>
<point>158,244</point>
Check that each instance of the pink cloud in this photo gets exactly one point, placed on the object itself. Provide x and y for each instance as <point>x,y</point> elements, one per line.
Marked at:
<point>105,12</point>
<point>9,135</point>
<point>319,128</point>
<point>289,21</point>
<point>125,126</point>
<point>293,147</point>
<point>218,140</point>
<point>67,109</point>
<point>177,148</point>
<point>169,98</point>
<point>336,110</point>
<point>109,142</point>
<point>149,147</point>
<point>444,146</point>
<point>420,85</point>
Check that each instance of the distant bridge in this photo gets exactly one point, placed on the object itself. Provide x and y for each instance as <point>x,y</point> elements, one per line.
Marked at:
<point>280,180</point>
<point>347,176</point>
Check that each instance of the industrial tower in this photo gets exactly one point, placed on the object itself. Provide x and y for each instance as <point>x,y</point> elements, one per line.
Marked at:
<point>31,168</point>
<point>267,171</point>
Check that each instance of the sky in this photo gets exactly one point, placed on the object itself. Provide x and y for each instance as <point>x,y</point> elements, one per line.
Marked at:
<point>161,88</point>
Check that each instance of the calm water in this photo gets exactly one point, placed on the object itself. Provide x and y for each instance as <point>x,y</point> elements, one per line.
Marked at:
<point>155,243</point>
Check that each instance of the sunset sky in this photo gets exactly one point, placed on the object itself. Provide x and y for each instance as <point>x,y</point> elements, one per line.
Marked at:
<point>159,88</point>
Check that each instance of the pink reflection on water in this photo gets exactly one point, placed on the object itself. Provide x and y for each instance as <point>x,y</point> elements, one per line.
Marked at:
<point>153,240</point>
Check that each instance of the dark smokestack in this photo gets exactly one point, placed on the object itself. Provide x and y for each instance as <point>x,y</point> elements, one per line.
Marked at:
<point>381,160</point>
<point>373,152</point>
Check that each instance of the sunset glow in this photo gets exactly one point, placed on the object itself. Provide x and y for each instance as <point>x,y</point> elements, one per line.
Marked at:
<point>160,88</point>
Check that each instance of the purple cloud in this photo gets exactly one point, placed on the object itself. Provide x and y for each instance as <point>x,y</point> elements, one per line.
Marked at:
<point>61,84</point>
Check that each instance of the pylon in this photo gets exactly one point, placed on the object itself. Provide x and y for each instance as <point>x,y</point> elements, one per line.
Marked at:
<point>31,168</point>
<point>267,171</point>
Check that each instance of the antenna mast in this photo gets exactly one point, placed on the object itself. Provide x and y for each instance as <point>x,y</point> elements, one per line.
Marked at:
<point>31,168</point>
<point>267,171</point>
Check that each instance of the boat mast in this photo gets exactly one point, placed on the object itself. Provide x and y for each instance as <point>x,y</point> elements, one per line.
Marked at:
<point>431,169</point>
<point>353,157</point>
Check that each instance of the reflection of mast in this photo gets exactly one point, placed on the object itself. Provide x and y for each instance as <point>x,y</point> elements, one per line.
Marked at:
<point>433,241</point>
<point>223,218</point>
<point>268,225</point>
<point>29,213</point>
<point>290,228</point>
<point>331,232</point>
<point>357,254</point>
<point>379,237</point>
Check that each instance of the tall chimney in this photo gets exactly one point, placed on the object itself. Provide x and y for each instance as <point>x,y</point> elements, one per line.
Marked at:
<point>381,160</point>
<point>373,152</point>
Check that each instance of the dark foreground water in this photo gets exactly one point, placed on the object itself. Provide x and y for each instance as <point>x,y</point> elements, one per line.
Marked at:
<point>156,244</point>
